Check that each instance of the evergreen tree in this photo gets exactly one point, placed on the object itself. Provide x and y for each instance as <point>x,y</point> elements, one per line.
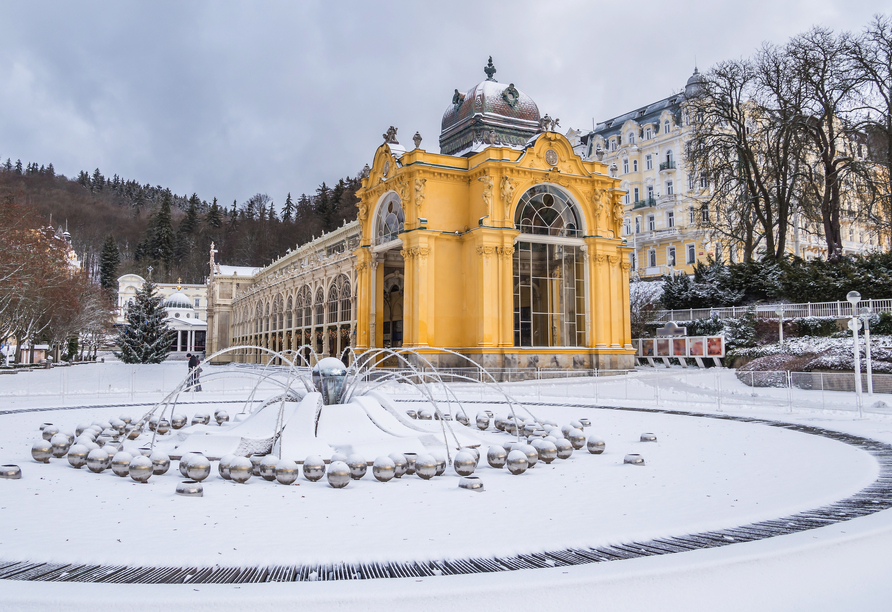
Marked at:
<point>146,338</point>
<point>189,224</point>
<point>214,218</point>
<point>98,181</point>
<point>8,164</point>
<point>288,211</point>
<point>108,265</point>
<point>325,208</point>
<point>162,238</point>
<point>18,166</point>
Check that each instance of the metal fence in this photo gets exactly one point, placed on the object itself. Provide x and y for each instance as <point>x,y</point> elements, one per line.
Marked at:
<point>837,310</point>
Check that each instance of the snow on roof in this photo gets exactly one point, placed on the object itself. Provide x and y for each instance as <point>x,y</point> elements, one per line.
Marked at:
<point>239,270</point>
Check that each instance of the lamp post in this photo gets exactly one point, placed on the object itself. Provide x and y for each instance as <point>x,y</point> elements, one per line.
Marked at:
<point>853,298</point>
<point>865,318</point>
<point>780,323</point>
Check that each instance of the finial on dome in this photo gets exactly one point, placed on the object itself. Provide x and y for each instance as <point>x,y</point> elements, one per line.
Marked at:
<point>179,284</point>
<point>490,70</point>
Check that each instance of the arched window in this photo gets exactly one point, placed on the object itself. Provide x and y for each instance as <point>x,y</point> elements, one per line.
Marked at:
<point>547,211</point>
<point>549,276</point>
<point>669,157</point>
<point>634,165</point>
<point>320,307</point>
<point>333,301</point>
<point>346,301</point>
<point>389,219</point>
<point>631,137</point>
<point>289,313</point>
<point>305,304</point>
<point>258,318</point>
<point>666,126</point>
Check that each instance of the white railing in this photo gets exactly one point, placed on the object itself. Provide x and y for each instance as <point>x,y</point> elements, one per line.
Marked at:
<point>838,310</point>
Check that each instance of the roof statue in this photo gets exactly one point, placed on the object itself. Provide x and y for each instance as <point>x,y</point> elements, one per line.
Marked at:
<point>390,136</point>
<point>490,70</point>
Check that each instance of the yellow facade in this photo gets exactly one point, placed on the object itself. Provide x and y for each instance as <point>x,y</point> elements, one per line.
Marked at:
<point>457,252</point>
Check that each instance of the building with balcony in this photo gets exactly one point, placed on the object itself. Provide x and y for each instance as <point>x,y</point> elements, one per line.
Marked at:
<point>666,205</point>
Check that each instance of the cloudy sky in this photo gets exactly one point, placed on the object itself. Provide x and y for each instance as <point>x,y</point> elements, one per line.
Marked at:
<point>228,99</point>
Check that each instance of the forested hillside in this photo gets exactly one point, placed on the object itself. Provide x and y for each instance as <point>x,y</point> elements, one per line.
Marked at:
<point>151,226</point>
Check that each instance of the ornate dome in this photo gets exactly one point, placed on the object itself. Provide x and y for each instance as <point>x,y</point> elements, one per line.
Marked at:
<point>692,88</point>
<point>490,113</point>
<point>178,300</point>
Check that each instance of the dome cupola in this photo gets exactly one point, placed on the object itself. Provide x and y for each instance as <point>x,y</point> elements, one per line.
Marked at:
<point>491,113</point>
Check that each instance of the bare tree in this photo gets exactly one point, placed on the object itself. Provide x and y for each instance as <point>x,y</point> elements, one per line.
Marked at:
<point>871,56</point>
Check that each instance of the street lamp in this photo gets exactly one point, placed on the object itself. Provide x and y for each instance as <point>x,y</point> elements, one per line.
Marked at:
<point>780,324</point>
<point>853,298</point>
<point>866,312</point>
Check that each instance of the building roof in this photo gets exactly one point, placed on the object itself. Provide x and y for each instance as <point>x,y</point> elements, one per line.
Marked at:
<point>178,300</point>
<point>489,113</point>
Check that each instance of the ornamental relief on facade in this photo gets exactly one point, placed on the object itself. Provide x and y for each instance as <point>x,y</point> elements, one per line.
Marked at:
<point>486,251</point>
<point>419,191</point>
<point>487,191</point>
<point>507,189</point>
<point>415,252</point>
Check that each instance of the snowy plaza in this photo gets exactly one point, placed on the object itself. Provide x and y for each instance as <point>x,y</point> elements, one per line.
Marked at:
<point>740,501</point>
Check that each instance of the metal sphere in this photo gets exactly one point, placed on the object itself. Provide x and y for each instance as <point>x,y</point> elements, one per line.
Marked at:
<point>178,421</point>
<point>426,466</point>
<point>532,454</point>
<point>564,448</point>
<point>441,462</point>
<point>43,425</point>
<point>576,424</point>
<point>141,468</point>
<point>499,423</point>
<point>221,416</point>
<point>595,445</point>
<point>255,463</point>
<point>384,468</point>
<point>529,427</point>
<point>337,457</point>
<point>201,418</point>
<point>241,469</point>
<point>268,467</point>
<point>516,462</point>
<point>97,460</point>
<point>198,467</point>
<point>10,472</point>
<point>314,468</point>
<point>565,430</point>
<point>399,464</point>
<point>79,429</point>
<point>471,483</point>
<point>410,463</point>
<point>160,461</point>
<point>511,427</point>
<point>112,446</point>
<point>585,422</point>
<point>474,451</point>
<point>190,488</point>
<point>90,446</point>
<point>118,425</point>
<point>153,423</point>
<point>103,440</point>
<point>411,414</point>
<point>357,465</point>
<point>49,431</point>
<point>338,474</point>
<point>120,463</point>
<point>648,437</point>
<point>42,451</point>
<point>576,438</point>
<point>77,456</point>
<point>464,463</point>
<point>126,418</point>
<point>547,450</point>
<point>286,472</point>
<point>633,459</point>
<point>223,466</point>
<point>163,426</point>
<point>496,456</point>
<point>463,419</point>
<point>145,451</point>
<point>425,415</point>
<point>60,444</point>
<point>551,439</point>
<point>133,432</point>
<point>182,464</point>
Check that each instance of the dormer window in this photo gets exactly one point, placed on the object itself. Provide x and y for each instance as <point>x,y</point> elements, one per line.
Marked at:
<point>648,134</point>
<point>666,126</point>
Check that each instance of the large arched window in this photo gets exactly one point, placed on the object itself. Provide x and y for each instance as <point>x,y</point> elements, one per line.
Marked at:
<point>346,301</point>
<point>549,276</point>
<point>389,219</point>
<point>320,307</point>
<point>547,211</point>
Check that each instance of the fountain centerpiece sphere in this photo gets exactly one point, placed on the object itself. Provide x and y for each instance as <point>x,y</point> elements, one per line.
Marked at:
<point>329,377</point>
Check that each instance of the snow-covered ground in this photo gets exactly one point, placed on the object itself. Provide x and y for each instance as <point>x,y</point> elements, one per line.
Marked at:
<point>701,474</point>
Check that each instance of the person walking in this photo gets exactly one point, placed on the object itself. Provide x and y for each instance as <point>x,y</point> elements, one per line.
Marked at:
<point>193,371</point>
